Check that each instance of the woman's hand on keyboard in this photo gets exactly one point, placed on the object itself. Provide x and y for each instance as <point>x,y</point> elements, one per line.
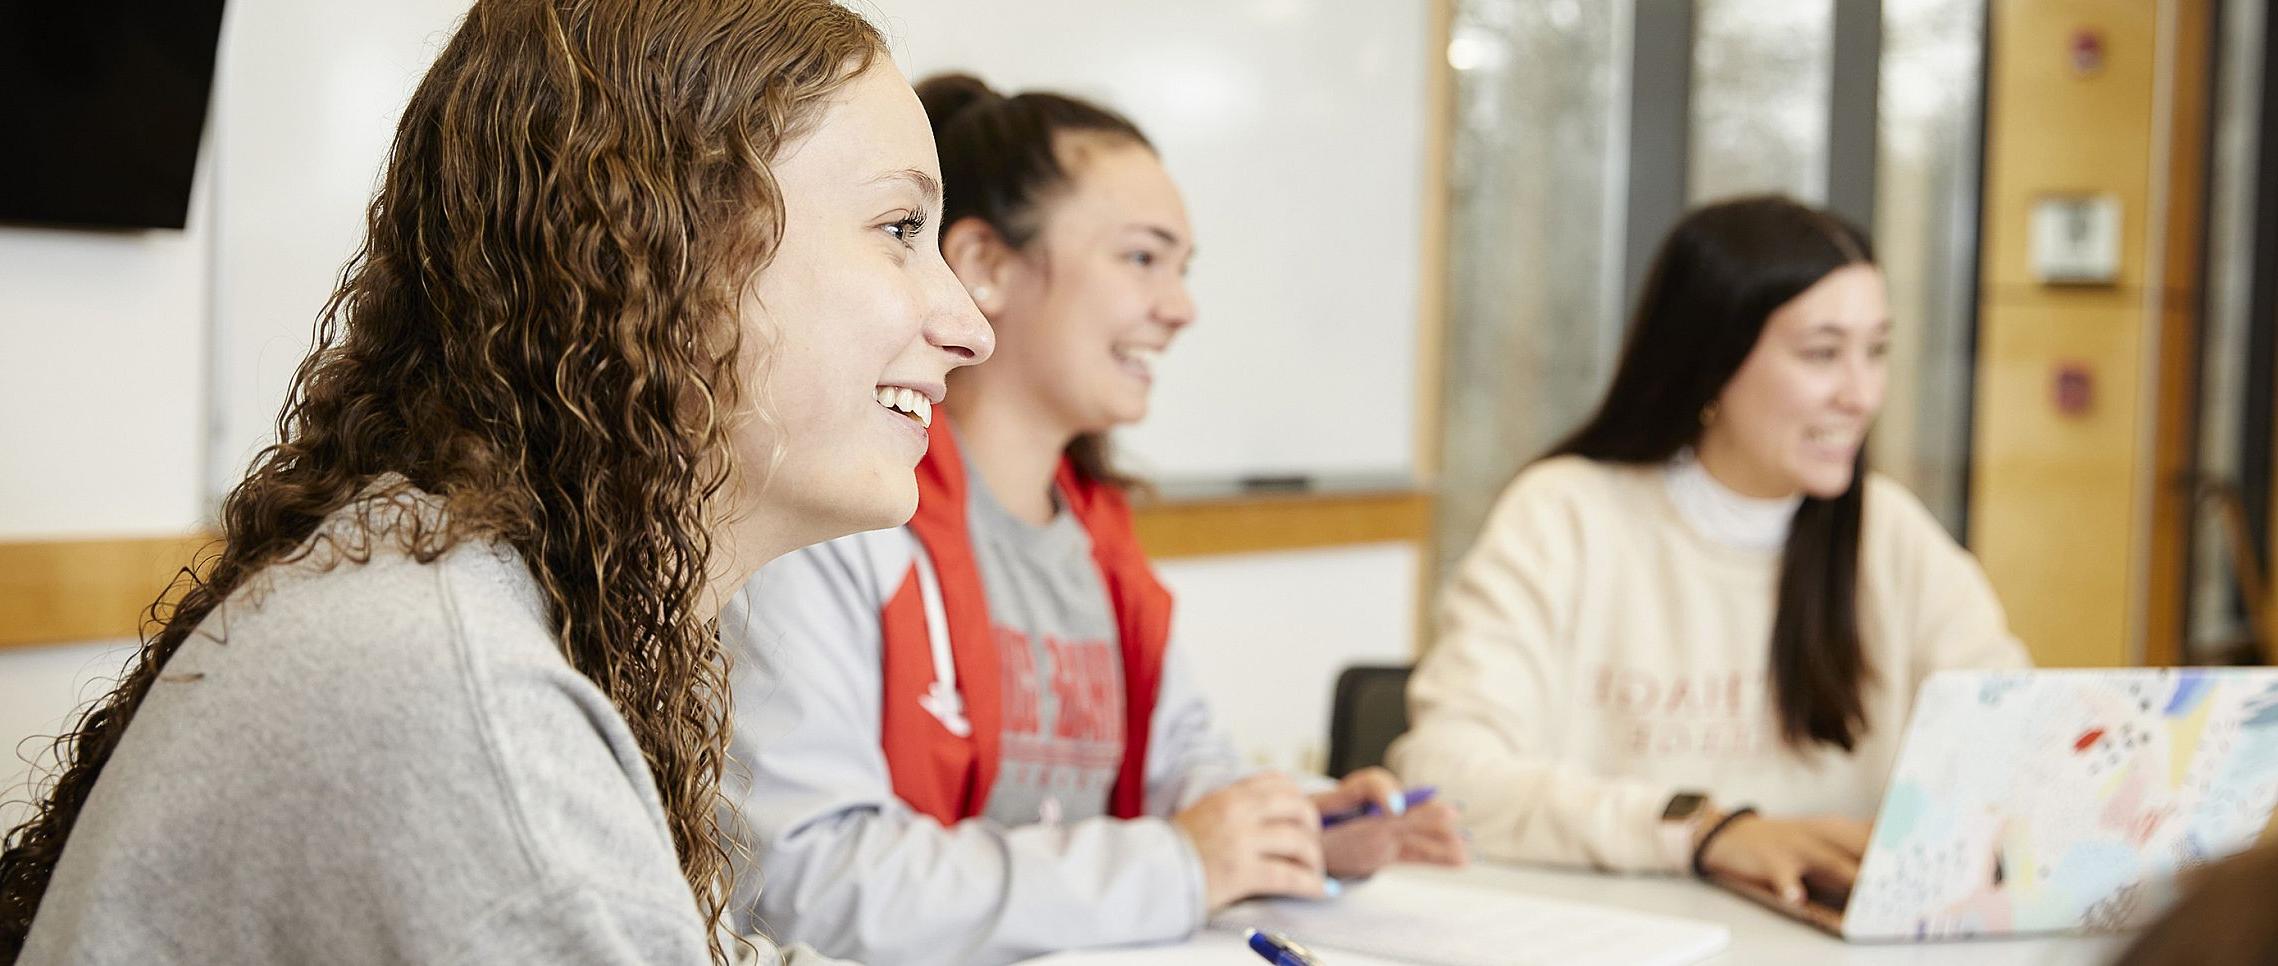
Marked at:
<point>1786,855</point>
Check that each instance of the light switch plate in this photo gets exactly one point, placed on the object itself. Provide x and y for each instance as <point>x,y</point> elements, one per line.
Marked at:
<point>2076,239</point>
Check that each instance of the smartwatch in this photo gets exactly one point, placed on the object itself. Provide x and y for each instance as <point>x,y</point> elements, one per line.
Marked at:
<point>1680,821</point>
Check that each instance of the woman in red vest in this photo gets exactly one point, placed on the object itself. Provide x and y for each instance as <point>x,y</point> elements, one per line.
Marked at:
<point>970,740</point>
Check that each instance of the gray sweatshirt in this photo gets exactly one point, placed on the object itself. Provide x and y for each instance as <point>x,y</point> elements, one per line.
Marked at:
<point>387,762</point>
<point>854,871</point>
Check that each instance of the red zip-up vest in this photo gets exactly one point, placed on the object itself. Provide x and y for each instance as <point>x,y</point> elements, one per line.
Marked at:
<point>949,777</point>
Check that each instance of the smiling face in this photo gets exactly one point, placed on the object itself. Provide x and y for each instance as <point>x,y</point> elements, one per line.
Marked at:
<point>1099,293</point>
<point>857,321</point>
<point>1792,419</point>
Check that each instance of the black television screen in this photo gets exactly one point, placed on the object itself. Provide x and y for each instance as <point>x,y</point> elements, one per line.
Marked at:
<point>102,103</point>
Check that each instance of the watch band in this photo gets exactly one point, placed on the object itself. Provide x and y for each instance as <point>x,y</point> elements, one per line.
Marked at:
<point>1730,817</point>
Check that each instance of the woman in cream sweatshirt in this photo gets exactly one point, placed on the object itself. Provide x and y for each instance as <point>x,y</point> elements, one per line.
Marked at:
<point>1702,601</point>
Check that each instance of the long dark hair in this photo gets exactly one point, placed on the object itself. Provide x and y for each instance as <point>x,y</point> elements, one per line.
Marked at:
<point>1000,159</point>
<point>535,331</point>
<point>1718,276</point>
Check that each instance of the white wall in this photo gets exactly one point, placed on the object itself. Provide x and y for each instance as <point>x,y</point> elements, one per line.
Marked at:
<point>102,377</point>
<point>1267,634</point>
<point>307,95</point>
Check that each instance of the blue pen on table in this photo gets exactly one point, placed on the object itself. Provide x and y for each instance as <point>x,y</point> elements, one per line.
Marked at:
<point>1410,799</point>
<point>1280,950</point>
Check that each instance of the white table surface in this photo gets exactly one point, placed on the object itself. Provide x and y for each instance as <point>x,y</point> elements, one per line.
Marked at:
<point>1760,937</point>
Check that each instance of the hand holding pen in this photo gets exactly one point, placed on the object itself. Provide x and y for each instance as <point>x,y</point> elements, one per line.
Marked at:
<point>1400,802</point>
<point>1370,822</point>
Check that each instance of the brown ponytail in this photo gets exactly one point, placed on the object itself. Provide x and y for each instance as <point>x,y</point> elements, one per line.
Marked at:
<point>1000,157</point>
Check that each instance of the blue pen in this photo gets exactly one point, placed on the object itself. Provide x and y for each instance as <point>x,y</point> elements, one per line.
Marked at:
<point>1279,950</point>
<point>1413,797</point>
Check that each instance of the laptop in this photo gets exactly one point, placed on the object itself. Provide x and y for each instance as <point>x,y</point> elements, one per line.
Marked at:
<point>2052,801</point>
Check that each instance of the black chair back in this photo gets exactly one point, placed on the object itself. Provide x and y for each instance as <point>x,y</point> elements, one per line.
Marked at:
<point>1370,709</point>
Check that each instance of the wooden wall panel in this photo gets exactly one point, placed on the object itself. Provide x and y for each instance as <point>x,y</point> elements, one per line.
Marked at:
<point>2055,493</point>
<point>55,592</point>
<point>2082,520</point>
<point>1291,522</point>
<point>81,590</point>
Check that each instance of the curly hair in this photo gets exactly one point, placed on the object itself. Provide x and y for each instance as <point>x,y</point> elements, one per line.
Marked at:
<point>541,331</point>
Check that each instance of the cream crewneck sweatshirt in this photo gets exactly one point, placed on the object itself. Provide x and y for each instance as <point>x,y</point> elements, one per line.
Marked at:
<point>1599,652</point>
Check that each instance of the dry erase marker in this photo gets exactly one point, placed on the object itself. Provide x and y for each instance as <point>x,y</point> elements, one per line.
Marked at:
<point>1277,949</point>
<point>1409,799</point>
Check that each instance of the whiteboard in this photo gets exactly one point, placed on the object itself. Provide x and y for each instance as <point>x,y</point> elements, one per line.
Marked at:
<point>1296,129</point>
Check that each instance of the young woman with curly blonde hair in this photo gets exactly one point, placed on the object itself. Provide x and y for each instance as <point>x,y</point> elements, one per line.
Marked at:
<point>647,298</point>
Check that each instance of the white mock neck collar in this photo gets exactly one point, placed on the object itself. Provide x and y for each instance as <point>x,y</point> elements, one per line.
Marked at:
<point>1724,517</point>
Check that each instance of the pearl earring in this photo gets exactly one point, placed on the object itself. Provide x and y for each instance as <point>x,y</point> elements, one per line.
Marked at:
<point>980,292</point>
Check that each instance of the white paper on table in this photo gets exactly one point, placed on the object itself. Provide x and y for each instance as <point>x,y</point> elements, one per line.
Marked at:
<point>1402,917</point>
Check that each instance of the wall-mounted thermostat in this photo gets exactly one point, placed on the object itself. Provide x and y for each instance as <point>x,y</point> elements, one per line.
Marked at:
<point>2076,239</point>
